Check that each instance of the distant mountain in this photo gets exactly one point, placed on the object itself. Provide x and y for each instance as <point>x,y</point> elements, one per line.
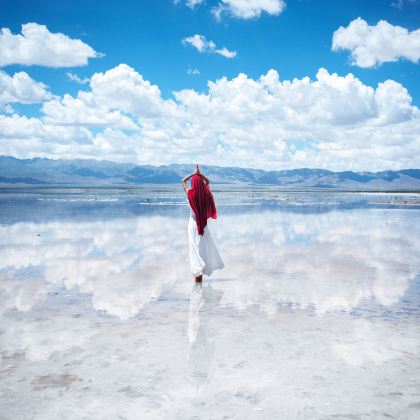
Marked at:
<point>81,172</point>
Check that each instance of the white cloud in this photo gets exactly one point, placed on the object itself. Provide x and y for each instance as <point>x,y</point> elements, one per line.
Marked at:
<point>248,9</point>
<point>193,72</point>
<point>76,111</point>
<point>115,97</point>
<point>36,45</point>
<point>334,122</point>
<point>226,53</point>
<point>373,45</point>
<point>33,129</point>
<point>125,89</point>
<point>399,4</point>
<point>75,78</point>
<point>193,3</point>
<point>31,137</point>
<point>241,9</point>
<point>201,44</point>
<point>20,88</point>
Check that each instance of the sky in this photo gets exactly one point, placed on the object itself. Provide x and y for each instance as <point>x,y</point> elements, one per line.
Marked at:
<point>269,84</point>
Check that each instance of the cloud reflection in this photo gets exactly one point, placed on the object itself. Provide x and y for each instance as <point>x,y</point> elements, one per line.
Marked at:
<point>318,262</point>
<point>194,351</point>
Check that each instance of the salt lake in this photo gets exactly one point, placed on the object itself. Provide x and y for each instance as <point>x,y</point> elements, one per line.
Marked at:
<point>316,314</point>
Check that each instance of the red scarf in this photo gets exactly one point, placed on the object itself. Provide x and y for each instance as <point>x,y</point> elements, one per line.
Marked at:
<point>202,202</point>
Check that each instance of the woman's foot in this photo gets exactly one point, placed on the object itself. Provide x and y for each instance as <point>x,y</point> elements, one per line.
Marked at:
<point>199,279</point>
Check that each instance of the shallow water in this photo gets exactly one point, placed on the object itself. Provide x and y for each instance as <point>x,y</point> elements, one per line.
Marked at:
<point>315,316</point>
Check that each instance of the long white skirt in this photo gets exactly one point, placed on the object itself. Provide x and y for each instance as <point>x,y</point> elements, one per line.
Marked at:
<point>204,257</point>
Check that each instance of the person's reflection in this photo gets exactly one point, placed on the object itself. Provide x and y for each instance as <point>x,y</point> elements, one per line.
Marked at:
<point>202,299</point>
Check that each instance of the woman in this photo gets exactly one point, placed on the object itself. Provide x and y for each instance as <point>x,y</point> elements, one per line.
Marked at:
<point>204,257</point>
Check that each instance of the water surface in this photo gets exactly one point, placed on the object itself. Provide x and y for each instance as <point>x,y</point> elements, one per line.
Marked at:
<point>315,316</point>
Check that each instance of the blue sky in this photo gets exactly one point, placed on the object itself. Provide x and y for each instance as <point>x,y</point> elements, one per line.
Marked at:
<point>147,36</point>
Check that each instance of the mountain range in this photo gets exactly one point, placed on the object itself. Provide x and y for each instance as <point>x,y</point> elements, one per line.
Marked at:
<point>99,173</point>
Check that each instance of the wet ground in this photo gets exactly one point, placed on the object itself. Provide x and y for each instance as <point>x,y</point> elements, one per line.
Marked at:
<point>315,316</point>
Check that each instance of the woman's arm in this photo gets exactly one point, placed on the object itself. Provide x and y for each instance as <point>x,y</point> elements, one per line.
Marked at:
<point>184,182</point>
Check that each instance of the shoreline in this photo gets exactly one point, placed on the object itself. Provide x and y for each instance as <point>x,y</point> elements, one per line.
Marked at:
<point>216,187</point>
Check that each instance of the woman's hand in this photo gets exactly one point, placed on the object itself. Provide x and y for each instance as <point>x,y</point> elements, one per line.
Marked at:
<point>196,172</point>
<point>190,176</point>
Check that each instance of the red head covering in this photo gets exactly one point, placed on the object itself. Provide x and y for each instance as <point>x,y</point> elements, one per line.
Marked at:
<point>202,202</point>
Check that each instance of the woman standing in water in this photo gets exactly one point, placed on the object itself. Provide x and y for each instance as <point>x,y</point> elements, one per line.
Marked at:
<point>204,257</point>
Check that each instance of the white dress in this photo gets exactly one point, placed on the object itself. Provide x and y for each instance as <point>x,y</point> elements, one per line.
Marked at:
<point>204,257</point>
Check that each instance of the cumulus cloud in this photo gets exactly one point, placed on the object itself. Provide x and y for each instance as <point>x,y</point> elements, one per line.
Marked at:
<point>36,45</point>
<point>114,95</point>
<point>20,88</point>
<point>32,130</point>
<point>75,111</point>
<point>373,45</point>
<point>201,44</point>
<point>31,137</point>
<point>333,121</point>
<point>248,9</point>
